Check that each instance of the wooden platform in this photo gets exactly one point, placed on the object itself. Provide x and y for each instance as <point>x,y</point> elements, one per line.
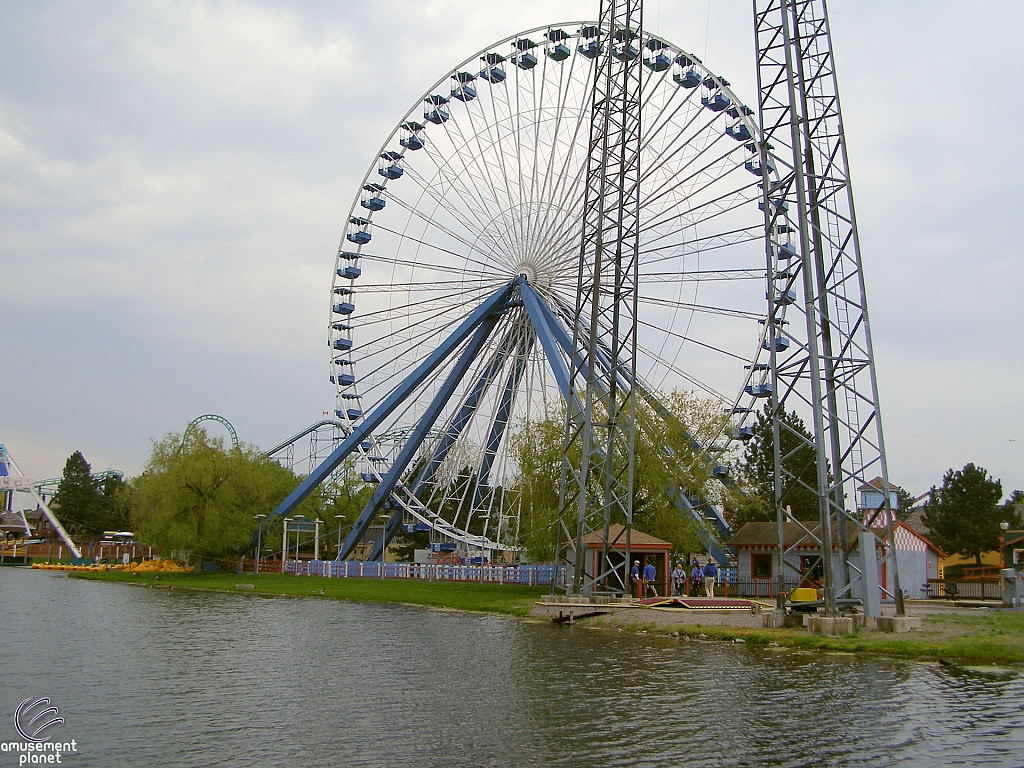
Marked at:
<point>699,603</point>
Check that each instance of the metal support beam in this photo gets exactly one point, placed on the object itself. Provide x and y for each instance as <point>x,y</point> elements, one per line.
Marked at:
<point>412,445</point>
<point>821,361</point>
<point>494,303</point>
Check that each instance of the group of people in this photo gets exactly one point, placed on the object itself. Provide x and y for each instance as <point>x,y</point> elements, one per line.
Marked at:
<point>699,578</point>
<point>644,579</point>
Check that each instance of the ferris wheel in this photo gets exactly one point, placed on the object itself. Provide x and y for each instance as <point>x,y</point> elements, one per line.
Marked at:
<point>453,297</point>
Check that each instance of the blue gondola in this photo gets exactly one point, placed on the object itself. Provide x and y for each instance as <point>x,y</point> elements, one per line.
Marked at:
<point>558,52</point>
<point>344,380</point>
<point>556,49</point>
<point>463,89</point>
<point>342,361</point>
<point>344,308</point>
<point>626,52</point>
<point>369,477</point>
<point>659,63</point>
<point>720,470</point>
<point>350,273</point>
<point>436,109</point>
<point>525,59</point>
<point>444,546</point>
<point>342,290</point>
<point>391,165</point>
<point>787,251</point>
<point>739,131</point>
<point>779,205</point>
<point>341,326</point>
<point>716,103</point>
<point>342,344</point>
<point>781,344</point>
<point>754,166</point>
<point>372,197</point>
<point>492,72</point>
<point>759,390</point>
<point>361,235</point>
<point>353,413</point>
<point>745,432</point>
<point>416,527</point>
<point>409,136</point>
<point>349,255</point>
<point>785,297</point>
<point>689,78</point>
<point>591,45</point>
<point>365,446</point>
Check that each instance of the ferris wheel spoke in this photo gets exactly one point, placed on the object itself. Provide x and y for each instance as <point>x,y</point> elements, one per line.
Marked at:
<point>434,193</point>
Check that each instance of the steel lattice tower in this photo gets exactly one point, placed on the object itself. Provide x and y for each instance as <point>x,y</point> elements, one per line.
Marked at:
<point>822,364</point>
<point>597,467</point>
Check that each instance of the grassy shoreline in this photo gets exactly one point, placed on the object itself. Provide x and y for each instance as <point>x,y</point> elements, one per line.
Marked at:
<point>510,599</point>
<point>982,636</point>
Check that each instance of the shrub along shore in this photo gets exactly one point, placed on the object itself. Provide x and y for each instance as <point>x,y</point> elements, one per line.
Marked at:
<point>982,636</point>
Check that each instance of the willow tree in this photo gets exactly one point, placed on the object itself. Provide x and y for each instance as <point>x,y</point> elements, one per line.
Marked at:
<point>669,452</point>
<point>197,496</point>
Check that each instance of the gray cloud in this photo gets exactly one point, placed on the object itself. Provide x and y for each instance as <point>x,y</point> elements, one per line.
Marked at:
<point>174,179</point>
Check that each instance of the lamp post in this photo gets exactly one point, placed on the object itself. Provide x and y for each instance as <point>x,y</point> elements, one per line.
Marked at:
<point>284,544</point>
<point>259,538</point>
<point>1003,528</point>
<point>339,518</point>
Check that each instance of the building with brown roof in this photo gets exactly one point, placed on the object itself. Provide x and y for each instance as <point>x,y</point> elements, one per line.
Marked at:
<point>757,559</point>
<point>642,547</point>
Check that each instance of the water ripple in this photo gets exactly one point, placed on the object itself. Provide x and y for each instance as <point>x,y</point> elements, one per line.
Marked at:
<point>147,676</point>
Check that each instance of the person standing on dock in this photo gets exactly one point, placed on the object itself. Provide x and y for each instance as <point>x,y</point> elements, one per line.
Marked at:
<point>634,575</point>
<point>710,574</point>
<point>650,576</point>
<point>679,580</point>
<point>695,577</point>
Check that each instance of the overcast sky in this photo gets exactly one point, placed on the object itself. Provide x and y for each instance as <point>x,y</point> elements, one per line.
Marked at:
<point>174,179</point>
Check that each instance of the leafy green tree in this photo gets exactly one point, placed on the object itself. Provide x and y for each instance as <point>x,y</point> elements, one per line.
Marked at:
<point>759,470</point>
<point>77,499</point>
<point>964,514</point>
<point>665,453</point>
<point>201,498</point>
<point>114,504</point>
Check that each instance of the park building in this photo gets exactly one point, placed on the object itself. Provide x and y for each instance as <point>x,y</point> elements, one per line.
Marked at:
<point>757,553</point>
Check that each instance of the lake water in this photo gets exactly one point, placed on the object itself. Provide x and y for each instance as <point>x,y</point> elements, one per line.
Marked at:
<point>148,677</point>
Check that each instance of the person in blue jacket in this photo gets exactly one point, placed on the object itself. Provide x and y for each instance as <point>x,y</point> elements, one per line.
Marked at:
<point>634,576</point>
<point>710,574</point>
<point>695,577</point>
<point>650,576</point>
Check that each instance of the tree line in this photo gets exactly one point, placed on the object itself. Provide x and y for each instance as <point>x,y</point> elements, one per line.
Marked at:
<point>197,495</point>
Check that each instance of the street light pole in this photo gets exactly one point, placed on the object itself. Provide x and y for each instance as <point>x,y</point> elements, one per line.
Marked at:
<point>259,537</point>
<point>284,544</point>
<point>1003,528</point>
<point>339,518</point>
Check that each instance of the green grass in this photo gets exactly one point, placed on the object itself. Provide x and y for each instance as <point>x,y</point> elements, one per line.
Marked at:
<point>512,599</point>
<point>987,638</point>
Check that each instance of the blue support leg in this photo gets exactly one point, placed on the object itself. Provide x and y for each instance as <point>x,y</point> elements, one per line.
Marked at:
<point>365,428</point>
<point>387,484</point>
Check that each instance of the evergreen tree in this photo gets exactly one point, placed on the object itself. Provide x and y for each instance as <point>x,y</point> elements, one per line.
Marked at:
<point>964,514</point>
<point>759,469</point>
<point>77,498</point>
